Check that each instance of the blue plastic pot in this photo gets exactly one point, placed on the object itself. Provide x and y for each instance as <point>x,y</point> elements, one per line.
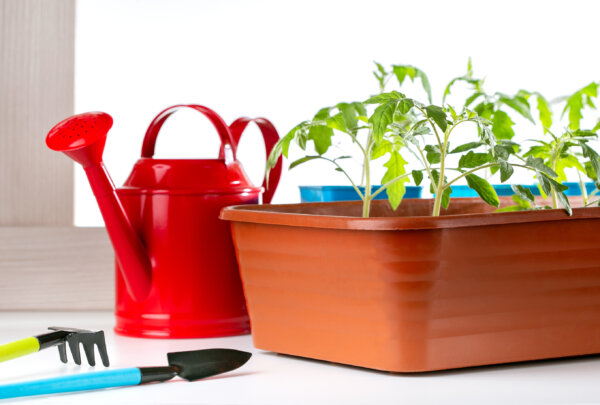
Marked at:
<point>347,193</point>
<point>504,190</point>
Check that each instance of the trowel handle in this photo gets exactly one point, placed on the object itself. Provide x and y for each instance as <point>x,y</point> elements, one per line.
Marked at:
<point>227,140</point>
<point>270,137</point>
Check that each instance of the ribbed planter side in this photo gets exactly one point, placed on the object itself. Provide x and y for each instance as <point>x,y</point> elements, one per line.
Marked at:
<point>409,300</point>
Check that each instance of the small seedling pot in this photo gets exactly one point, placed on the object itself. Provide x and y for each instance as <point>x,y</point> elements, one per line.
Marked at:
<point>347,193</point>
<point>406,292</point>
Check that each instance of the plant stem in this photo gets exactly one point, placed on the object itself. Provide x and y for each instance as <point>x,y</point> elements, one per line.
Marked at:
<point>437,204</point>
<point>367,172</point>
<point>583,189</point>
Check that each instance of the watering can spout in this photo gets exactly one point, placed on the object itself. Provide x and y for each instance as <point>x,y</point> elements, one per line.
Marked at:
<point>82,138</point>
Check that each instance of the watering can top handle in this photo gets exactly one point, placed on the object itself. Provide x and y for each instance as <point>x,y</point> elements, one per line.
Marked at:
<point>227,140</point>
<point>270,137</point>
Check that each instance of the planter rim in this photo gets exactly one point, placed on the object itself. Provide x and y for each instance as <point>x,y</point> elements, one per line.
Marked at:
<point>287,215</point>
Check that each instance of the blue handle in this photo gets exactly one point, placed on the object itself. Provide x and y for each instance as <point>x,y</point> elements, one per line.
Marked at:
<point>77,382</point>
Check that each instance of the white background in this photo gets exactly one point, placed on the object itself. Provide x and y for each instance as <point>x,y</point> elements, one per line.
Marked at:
<point>286,59</point>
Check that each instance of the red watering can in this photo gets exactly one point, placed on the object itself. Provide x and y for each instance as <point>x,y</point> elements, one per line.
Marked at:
<point>177,275</point>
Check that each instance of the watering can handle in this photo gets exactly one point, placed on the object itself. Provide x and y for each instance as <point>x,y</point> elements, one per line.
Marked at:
<point>227,140</point>
<point>270,137</point>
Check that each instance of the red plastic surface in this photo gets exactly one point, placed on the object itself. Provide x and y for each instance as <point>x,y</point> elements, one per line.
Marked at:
<point>82,138</point>
<point>171,208</point>
<point>270,137</point>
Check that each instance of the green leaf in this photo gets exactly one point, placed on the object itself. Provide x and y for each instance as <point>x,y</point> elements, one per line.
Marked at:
<point>438,115</point>
<point>322,114</point>
<point>519,104</point>
<point>506,170</point>
<point>321,136</point>
<point>594,158</point>
<point>381,118</point>
<point>381,149</point>
<point>337,122</point>
<point>465,147</point>
<point>395,169</point>
<point>385,97</point>
<point>473,97</point>
<point>425,83</point>
<point>405,105</point>
<point>359,108</point>
<point>302,160</point>
<point>349,116</point>
<point>545,113</point>
<point>417,176</point>
<point>538,164</point>
<point>434,154</point>
<point>473,159</point>
<point>597,126</point>
<point>502,125</point>
<point>484,189</point>
<point>523,192</point>
<point>502,152</point>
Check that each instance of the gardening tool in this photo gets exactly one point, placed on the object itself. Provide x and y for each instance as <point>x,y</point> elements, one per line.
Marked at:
<point>191,366</point>
<point>60,337</point>
<point>177,274</point>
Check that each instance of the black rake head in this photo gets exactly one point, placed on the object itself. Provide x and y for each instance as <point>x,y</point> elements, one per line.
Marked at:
<point>81,337</point>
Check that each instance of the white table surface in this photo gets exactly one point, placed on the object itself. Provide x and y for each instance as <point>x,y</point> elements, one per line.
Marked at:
<point>269,378</point>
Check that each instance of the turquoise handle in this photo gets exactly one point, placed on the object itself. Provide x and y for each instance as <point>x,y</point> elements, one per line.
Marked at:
<point>70,383</point>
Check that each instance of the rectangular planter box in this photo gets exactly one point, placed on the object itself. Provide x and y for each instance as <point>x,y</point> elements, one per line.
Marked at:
<point>405,292</point>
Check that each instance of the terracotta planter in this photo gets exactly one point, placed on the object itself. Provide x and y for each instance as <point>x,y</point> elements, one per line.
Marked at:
<point>405,292</point>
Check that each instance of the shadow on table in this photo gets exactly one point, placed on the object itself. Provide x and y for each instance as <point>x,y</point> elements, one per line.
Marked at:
<point>590,358</point>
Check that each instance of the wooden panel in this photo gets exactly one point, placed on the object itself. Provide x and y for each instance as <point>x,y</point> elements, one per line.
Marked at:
<point>56,268</point>
<point>36,91</point>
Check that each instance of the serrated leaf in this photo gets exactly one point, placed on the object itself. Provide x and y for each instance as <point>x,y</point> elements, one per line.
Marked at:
<point>502,152</point>
<point>484,189</point>
<point>405,105</point>
<point>385,97</point>
<point>417,177</point>
<point>433,154</point>
<point>473,159</point>
<point>465,147</point>
<point>381,149</point>
<point>438,115</point>
<point>523,192</point>
<point>506,170</point>
<point>502,125</point>
<point>359,108</point>
<point>322,114</point>
<point>425,83</point>
<point>544,111</point>
<point>381,118</point>
<point>538,164</point>
<point>321,137</point>
<point>473,97</point>
<point>519,104</point>
<point>349,116</point>
<point>337,122</point>
<point>395,168</point>
<point>302,160</point>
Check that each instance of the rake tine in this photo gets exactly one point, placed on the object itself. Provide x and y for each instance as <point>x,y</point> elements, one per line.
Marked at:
<point>62,352</point>
<point>88,348</point>
<point>101,343</point>
<point>74,346</point>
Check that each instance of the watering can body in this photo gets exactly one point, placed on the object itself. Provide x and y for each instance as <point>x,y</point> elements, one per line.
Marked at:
<point>176,270</point>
